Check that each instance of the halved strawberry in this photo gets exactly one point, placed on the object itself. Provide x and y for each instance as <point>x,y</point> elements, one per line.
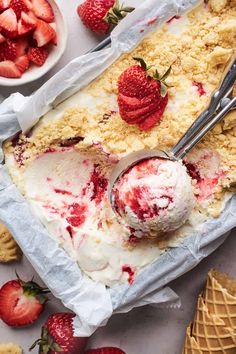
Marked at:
<point>8,69</point>
<point>44,33</point>
<point>7,50</point>
<point>18,6</point>
<point>26,24</point>
<point>2,39</point>
<point>22,63</point>
<point>21,302</point>
<point>4,4</point>
<point>38,55</point>
<point>21,46</point>
<point>43,10</point>
<point>8,21</point>
<point>54,27</point>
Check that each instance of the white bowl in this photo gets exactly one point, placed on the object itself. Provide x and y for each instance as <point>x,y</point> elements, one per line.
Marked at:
<point>35,72</point>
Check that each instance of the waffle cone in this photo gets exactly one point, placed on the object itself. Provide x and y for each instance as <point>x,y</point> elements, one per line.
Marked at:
<point>190,345</point>
<point>220,297</point>
<point>210,332</point>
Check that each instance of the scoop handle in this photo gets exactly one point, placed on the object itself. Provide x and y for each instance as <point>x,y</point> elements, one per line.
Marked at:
<point>200,123</point>
<point>208,126</point>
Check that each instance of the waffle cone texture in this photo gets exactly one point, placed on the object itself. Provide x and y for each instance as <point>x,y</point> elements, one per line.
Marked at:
<point>213,330</point>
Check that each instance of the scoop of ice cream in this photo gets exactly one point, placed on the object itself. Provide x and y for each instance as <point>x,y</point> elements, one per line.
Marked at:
<point>155,196</point>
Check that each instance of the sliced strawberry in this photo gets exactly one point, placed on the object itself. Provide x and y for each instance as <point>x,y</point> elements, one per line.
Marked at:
<point>7,50</point>
<point>154,118</point>
<point>21,303</point>
<point>27,20</point>
<point>132,103</point>
<point>22,63</point>
<point>38,55</point>
<point>43,10</point>
<point>32,15</point>
<point>18,6</point>
<point>21,46</point>
<point>8,21</point>
<point>26,24</point>
<point>44,33</point>
<point>28,4</point>
<point>4,4</point>
<point>2,39</point>
<point>8,69</point>
<point>54,27</point>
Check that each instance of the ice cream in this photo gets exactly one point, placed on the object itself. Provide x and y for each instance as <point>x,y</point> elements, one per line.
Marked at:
<point>155,196</point>
<point>56,166</point>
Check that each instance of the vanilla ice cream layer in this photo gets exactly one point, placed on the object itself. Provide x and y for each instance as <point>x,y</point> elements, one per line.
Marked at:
<point>67,190</point>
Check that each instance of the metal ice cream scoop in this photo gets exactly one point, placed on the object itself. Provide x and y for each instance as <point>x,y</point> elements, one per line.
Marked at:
<point>220,104</point>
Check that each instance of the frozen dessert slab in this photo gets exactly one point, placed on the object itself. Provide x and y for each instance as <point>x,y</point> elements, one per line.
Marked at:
<point>89,123</point>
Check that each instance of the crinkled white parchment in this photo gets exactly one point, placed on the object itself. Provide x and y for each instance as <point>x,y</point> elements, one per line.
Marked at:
<point>93,302</point>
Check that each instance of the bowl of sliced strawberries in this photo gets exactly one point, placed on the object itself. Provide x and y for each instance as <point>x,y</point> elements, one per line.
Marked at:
<point>33,37</point>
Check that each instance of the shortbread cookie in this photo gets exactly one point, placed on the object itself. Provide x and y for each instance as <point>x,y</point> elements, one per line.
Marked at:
<point>9,251</point>
<point>10,348</point>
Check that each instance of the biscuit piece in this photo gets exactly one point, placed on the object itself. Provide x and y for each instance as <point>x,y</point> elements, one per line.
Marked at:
<point>9,251</point>
<point>217,5</point>
<point>10,348</point>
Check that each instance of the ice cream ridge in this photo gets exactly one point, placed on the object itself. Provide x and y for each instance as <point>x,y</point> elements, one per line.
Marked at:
<point>147,99</point>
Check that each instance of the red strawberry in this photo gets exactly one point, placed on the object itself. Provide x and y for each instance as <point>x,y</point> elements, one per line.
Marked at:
<point>21,302</point>
<point>7,50</point>
<point>18,6</point>
<point>142,98</point>
<point>8,21</point>
<point>4,4</point>
<point>2,39</point>
<point>8,69</point>
<point>32,15</point>
<point>44,33</point>
<point>22,63</point>
<point>106,350</point>
<point>100,15</point>
<point>21,46</point>
<point>28,20</point>
<point>58,336</point>
<point>43,10</point>
<point>54,26</point>
<point>155,117</point>
<point>26,24</point>
<point>38,55</point>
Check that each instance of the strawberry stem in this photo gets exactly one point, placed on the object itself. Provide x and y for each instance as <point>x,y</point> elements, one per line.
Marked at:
<point>117,13</point>
<point>156,76</point>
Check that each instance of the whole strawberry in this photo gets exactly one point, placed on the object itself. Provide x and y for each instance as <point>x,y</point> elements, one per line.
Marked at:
<point>101,15</point>
<point>142,98</point>
<point>21,302</point>
<point>58,336</point>
<point>106,350</point>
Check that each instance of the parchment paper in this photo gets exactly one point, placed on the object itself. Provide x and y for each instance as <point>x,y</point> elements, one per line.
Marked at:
<point>93,302</point>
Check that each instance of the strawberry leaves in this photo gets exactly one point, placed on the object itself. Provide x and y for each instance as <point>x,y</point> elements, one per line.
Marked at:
<point>161,78</point>
<point>117,13</point>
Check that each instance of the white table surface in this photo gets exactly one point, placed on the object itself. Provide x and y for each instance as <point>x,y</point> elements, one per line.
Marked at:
<point>146,330</point>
